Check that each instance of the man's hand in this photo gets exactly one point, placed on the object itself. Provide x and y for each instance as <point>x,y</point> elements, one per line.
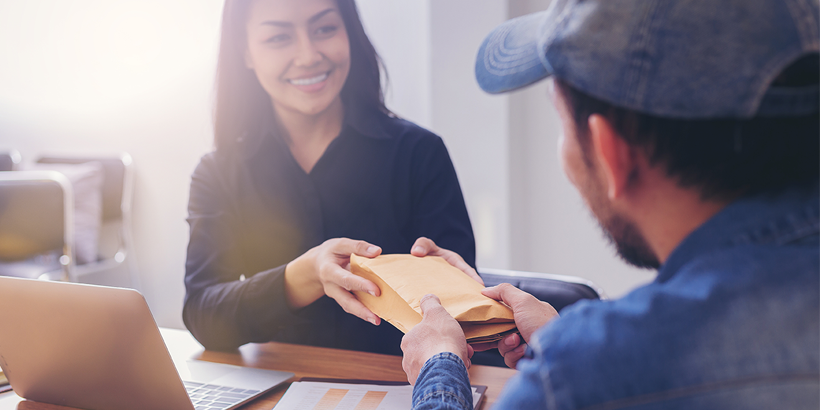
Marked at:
<point>426,247</point>
<point>529,314</point>
<point>438,332</point>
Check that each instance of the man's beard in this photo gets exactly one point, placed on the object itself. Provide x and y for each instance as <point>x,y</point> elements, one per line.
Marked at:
<point>628,241</point>
<point>619,230</point>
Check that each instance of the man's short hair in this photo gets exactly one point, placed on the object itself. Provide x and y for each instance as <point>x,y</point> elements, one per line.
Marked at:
<point>722,158</point>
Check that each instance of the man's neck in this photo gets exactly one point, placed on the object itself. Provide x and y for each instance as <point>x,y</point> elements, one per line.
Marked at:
<point>667,213</point>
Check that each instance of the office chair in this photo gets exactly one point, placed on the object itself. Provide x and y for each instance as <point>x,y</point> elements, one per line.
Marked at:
<point>115,240</point>
<point>559,291</point>
<point>36,225</point>
<point>9,160</point>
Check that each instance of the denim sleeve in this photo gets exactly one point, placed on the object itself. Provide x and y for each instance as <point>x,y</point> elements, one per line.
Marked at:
<point>443,383</point>
<point>530,387</point>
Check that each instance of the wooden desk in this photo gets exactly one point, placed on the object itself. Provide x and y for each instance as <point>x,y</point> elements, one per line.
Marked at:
<point>304,361</point>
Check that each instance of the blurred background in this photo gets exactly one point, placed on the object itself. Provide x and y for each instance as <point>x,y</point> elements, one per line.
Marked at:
<point>96,77</point>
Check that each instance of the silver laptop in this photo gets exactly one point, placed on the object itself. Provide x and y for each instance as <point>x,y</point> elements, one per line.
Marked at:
<point>98,348</point>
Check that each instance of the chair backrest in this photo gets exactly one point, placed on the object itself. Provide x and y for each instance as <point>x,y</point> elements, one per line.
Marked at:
<point>116,185</point>
<point>36,220</point>
<point>9,160</point>
<point>114,243</point>
<point>559,291</point>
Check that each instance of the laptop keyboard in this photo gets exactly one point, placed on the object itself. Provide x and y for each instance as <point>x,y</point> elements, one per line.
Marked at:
<point>212,396</point>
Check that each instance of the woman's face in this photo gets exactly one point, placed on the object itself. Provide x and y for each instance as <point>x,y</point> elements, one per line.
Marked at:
<point>299,51</point>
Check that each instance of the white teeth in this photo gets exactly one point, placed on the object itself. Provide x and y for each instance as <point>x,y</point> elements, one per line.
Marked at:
<point>308,81</point>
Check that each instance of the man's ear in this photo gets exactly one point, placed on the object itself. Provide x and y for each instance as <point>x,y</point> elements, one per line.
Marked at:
<point>613,154</point>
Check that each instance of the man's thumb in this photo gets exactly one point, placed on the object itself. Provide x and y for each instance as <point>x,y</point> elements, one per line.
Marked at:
<point>429,303</point>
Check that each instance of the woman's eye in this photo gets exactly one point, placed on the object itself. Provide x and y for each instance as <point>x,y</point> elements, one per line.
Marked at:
<point>326,30</point>
<point>279,38</point>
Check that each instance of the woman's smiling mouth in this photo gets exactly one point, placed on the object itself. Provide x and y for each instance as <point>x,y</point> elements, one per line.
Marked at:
<point>308,81</point>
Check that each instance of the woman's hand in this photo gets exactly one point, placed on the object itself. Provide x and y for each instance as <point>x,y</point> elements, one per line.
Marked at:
<point>325,270</point>
<point>426,247</point>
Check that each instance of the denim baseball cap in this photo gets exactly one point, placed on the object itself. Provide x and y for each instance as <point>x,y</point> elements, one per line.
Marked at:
<point>684,59</point>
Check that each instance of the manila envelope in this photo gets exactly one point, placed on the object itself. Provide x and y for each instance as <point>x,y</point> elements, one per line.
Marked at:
<point>405,279</point>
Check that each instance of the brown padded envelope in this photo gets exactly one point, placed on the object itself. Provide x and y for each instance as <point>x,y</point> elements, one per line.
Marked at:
<point>405,279</point>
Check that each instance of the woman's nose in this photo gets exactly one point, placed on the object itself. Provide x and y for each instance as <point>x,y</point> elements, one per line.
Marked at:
<point>307,54</point>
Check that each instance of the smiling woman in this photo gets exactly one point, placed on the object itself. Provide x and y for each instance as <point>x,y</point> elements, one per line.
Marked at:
<point>301,66</point>
<point>301,56</point>
<point>307,156</point>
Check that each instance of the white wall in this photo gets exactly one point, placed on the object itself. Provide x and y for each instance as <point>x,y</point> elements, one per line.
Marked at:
<point>101,76</point>
<point>429,50</point>
<point>400,32</point>
<point>473,123</point>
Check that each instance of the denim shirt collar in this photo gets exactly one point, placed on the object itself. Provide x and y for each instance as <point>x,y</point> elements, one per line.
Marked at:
<point>763,219</point>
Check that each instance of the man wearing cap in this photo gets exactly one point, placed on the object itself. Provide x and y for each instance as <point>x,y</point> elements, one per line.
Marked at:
<point>691,130</point>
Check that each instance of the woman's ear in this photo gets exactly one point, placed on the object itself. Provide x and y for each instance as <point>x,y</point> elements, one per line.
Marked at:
<point>612,153</point>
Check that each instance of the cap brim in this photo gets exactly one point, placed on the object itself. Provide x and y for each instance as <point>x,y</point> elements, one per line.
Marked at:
<point>510,56</point>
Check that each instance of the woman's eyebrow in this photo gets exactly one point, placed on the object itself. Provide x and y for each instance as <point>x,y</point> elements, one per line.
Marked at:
<point>320,14</point>
<point>312,19</point>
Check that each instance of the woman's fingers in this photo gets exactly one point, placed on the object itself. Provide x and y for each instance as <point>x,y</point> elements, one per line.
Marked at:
<point>339,250</point>
<point>339,283</point>
<point>331,261</point>
<point>337,276</point>
<point>423,246</point>
<point>426,247</point>
<point>323,271</point>
<point>351,305</point>
<point>360,248</point>
<point>453,259</point>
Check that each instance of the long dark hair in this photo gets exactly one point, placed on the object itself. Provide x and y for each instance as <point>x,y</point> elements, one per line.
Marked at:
<point>243,109</point>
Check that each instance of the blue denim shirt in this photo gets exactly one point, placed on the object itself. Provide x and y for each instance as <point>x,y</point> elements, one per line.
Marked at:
<point>732,321</point>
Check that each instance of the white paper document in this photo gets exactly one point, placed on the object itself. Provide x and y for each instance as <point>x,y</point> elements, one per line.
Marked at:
<point>310,395</point>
